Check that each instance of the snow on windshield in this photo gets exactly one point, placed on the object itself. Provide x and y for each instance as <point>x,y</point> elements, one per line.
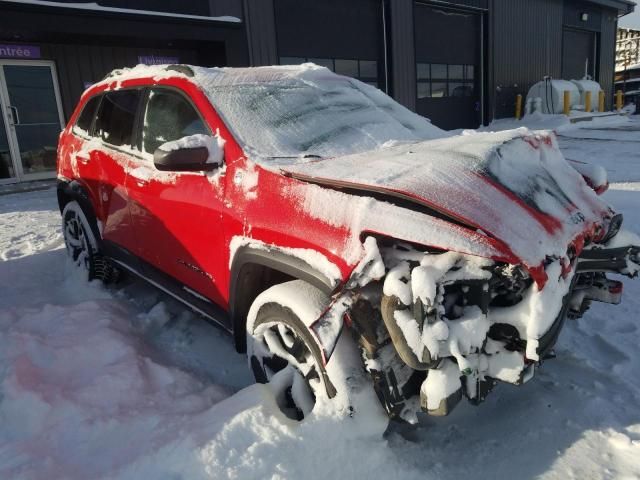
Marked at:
<point>298,111</point>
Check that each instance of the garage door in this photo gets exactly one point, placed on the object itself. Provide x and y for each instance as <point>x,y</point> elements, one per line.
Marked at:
<point>578,54</point>
<point>344,36</point>
<point>448,47</point>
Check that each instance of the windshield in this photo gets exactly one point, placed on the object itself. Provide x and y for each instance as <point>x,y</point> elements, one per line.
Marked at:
<point>307,111</point>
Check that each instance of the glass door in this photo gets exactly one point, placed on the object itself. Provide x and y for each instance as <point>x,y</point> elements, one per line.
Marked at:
<point>32,117</point>
<point>7,172</point>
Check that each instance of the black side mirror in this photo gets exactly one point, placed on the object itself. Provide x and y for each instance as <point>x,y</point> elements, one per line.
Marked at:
<point>183,160</point>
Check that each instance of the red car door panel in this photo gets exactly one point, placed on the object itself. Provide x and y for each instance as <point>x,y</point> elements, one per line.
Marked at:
<point>177,215</point>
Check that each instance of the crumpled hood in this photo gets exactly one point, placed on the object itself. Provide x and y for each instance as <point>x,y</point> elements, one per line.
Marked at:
<point>515,186</point>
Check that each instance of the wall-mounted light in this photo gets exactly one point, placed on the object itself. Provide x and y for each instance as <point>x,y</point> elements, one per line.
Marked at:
<point>584,17</point>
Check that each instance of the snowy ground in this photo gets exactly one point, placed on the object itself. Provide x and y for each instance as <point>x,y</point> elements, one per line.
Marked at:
<point>123,383</point>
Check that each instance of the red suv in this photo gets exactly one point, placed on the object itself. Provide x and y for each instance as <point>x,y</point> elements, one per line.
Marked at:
<point>347,244</point>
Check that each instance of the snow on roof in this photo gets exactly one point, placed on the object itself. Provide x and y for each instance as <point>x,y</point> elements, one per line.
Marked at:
<point>95,7</point>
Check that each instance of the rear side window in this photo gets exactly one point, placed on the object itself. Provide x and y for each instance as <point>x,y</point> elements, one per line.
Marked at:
<point>169,116</point>
<point>116,117</point>
<point>85,119</point>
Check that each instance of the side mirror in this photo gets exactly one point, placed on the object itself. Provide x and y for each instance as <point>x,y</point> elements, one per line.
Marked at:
<point>182,159</point>
<point>188,154</point>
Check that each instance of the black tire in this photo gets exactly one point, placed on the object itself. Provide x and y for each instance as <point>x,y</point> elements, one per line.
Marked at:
<point>82,246</point>
<point>281,351</point>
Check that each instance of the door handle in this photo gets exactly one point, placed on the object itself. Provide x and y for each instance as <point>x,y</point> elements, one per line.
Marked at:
<point>84,160</point>
<point>15,117</point>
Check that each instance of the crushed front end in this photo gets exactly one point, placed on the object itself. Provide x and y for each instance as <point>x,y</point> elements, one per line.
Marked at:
<point>437,326</point>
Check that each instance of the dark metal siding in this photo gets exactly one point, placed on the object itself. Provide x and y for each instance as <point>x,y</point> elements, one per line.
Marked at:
<point>329,29</point>
<point>261,32</point>
<point>525,41</point>
<point>79,64</point>
<point>85,46</point>
<point>220,8</point>
<point>402,61</point>
<point>608,54</point>
<point>573,11</point>
<point>483,4</point>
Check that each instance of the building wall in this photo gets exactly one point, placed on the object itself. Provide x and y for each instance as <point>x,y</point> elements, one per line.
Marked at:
<point>401,52</point>
<point>525,44</point>
<point>80,64</point>
<point>607,53</point>
<point>260,22</point>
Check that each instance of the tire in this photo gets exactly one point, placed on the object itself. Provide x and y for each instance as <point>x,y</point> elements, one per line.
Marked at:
<point>82,246</point>
<point>282,352</point>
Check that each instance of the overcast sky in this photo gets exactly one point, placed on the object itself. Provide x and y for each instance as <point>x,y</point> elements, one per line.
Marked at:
<point>631,21</point>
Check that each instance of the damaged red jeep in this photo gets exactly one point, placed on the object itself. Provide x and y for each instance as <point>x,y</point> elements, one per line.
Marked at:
<point>349,246</point>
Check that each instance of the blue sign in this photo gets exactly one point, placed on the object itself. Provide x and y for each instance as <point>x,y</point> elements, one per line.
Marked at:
<point>157,60</point>
<point>19,51</point>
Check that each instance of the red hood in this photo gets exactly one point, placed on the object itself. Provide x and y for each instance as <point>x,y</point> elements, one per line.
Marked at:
<point>515,186</point>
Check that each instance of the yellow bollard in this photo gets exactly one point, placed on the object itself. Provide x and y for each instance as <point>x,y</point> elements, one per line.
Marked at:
<point>587,101</point>
<point>619,100</point>
<point>601,101</point>
<point>518,106</point>
<point>567,103</point>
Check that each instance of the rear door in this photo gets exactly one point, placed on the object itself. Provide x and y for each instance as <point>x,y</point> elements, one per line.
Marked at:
<point>114,152</point>
<point>176,215</point>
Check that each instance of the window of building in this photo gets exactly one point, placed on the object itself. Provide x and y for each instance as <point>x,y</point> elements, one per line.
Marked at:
<point>437,80</point>
<point>85,119</point>
<point>363,70</point>
<point>116,117</point>
<point>169,116</point>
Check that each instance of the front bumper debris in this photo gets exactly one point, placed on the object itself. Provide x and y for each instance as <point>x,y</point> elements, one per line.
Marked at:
<point>483,323</point>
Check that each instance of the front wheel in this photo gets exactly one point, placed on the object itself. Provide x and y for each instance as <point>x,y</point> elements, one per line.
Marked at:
<point>282,353</point>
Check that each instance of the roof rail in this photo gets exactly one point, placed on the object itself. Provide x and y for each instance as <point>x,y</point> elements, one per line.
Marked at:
<point>184,69</point>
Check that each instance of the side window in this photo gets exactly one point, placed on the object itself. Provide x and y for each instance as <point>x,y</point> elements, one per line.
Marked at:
<point>169,116</point>
<point>85,119</point>
<point>116,117</point>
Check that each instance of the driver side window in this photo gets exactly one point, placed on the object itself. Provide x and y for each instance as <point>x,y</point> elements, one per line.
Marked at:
<point>169,116</point>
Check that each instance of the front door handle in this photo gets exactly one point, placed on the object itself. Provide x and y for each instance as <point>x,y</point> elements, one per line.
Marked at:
<point>15,117</point>
<point>83,159</point>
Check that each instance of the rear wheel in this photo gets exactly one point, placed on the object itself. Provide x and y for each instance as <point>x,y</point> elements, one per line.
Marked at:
<point>82,246</point>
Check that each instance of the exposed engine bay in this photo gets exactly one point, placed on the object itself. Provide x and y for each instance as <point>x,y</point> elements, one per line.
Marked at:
<point>435,326</point>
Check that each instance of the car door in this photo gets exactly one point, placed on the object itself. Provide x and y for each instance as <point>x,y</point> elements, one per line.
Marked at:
<point>112,149</point>
<point>78,151</point>
<point>176,215</point>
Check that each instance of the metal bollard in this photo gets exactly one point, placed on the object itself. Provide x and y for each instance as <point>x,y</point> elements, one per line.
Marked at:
<point>567,103</point>
<point>601,101</point>
<point>518,107</point>
<point>587,101</point>
<point>619,100</point>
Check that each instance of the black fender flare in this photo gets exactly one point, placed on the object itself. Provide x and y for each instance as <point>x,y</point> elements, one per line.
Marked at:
<point>68,190</point>
<point>242,292</point>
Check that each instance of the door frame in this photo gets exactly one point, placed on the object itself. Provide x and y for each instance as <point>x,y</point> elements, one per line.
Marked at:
<point>14,149</point>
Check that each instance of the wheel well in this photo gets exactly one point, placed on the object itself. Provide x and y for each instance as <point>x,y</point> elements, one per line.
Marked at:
<point>256,269</point>
<point>68,192</point>
<point>63,198</point>
<point>252,279</point>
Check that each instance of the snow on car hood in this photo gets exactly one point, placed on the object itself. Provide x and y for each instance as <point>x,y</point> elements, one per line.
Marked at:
<point>515,186</point>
